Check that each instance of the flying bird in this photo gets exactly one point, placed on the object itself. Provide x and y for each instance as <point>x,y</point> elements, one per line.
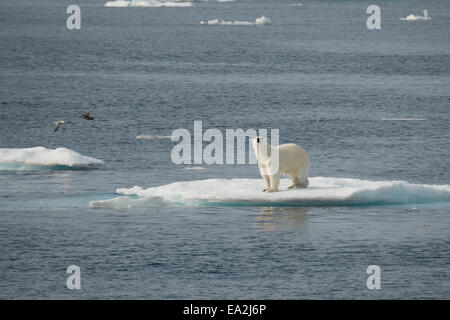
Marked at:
<point>86,115</point>
<point>58,124</point>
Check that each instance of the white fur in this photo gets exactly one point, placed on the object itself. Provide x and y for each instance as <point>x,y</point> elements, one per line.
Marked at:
<point>293,161</point>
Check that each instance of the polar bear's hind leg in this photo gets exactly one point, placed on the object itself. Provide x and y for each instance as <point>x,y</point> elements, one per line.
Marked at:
<point>298,181</point>
<point>303,182</point>
<point>295,182</point>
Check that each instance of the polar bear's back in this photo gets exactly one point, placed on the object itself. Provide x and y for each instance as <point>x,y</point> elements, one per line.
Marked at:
<point>293,159</point>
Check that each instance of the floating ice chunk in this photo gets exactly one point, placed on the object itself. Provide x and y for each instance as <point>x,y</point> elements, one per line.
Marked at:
<point>412,17</point>
<point>117,4</point>
<point>147,4</point>
<point>43,158</point>
<point>262,21</point>
<point>321,192</point>
<point>157,4</point>
<point>127,202</point>
<point>258,22</point>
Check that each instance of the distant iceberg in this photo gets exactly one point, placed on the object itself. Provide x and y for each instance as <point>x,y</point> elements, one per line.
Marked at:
<point>263,20</point>
<point>322,192</point>
<point>258,22</point>
<point>157,4</point>
<point>412,17</point>
<point>38,158</point>
<point>217,22</point>
<point>147,4</point>
<point>195,168</point>
<point>117,4</point>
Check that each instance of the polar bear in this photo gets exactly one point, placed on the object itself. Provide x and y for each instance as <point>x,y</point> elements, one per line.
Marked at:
<point>292,161</point>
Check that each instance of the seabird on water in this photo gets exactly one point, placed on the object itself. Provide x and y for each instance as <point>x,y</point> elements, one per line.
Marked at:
<point>58,124</point>
<point>86,115</point>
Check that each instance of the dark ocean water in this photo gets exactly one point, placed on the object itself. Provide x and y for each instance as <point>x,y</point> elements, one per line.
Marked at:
<point>316,73</point>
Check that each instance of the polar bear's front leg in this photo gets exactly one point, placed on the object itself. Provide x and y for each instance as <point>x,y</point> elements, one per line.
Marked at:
<point>267,180</point>
<point>274,181</point>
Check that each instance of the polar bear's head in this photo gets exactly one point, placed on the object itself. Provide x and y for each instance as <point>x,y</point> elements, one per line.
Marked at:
<point>262,148</point>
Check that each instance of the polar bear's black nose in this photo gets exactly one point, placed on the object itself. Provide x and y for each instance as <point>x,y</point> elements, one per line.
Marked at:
<point>257,140</point>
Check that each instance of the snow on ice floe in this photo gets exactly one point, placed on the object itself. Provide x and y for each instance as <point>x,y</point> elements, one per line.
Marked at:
<point>258,22</point>
<point>147,4</point>
<point>322,192</point>
<point>42,158</point>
